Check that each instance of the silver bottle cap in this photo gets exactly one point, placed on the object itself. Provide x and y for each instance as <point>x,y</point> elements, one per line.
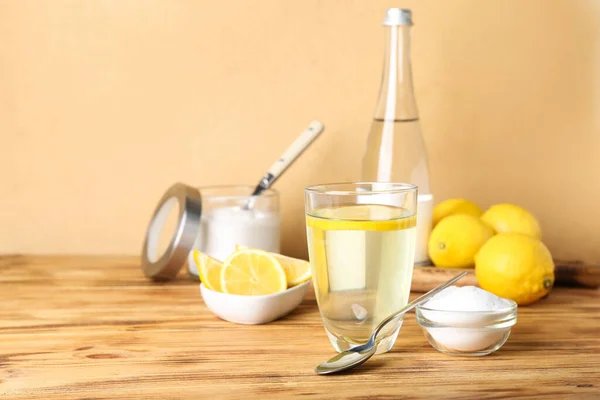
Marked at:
<point>397,17</point>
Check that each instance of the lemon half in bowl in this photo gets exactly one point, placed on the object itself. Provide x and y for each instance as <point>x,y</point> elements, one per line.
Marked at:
<point>251,286</point>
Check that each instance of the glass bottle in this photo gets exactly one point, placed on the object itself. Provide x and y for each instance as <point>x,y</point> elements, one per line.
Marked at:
<point>395,148</point>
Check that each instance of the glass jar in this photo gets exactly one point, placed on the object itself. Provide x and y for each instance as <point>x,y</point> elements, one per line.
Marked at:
<point>231,217</point>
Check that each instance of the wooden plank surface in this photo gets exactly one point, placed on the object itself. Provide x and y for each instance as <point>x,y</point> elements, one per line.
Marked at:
<point>94,327</point>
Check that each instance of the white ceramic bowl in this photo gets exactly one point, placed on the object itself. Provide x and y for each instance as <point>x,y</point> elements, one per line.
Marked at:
<point>253,310</point>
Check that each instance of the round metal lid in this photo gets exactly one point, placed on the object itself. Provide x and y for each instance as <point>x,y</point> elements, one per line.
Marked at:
<point>166,265</point>
<point>397,17</point>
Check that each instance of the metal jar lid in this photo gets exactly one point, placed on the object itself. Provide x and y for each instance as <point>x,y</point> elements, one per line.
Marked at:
<point>397,17</point>
<point>166,266</point>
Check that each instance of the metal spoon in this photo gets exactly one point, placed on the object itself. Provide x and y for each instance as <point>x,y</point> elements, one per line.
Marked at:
<point>287,158</point>
<point>357,355</point>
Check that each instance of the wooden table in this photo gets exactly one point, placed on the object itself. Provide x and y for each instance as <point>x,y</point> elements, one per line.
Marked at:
<point>94,327</point>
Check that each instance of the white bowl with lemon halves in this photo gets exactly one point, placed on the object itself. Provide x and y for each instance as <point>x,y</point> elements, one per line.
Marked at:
<point>252,286</point>
<point>253,310</point>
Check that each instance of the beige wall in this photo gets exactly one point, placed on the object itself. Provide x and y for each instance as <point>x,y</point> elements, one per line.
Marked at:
<point>104,104</point>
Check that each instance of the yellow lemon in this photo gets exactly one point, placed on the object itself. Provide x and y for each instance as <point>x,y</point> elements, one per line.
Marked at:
<point>456,239</point>
<point>252,272</point>
<point>209,270</point>
<point>515,266</point>
<point>296,271</point>
<point>511,218</point>
<point>454,207</point>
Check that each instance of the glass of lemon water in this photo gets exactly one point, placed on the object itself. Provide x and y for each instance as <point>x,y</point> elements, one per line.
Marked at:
<point>361,243</point>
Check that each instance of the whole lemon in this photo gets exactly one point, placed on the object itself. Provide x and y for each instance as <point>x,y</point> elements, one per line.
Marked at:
<point>511,218</point>
<point>456,239</point>
<point>454,207</point>
<point>515,266</point>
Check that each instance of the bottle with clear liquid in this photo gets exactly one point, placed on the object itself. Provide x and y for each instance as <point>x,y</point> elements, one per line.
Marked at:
<point>395,148</point>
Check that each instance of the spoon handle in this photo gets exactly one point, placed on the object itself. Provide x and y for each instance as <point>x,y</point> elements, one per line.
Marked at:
<point>289,156</point>
<point>415,303</point>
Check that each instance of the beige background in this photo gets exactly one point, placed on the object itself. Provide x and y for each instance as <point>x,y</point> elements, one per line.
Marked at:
<point>104,104</point>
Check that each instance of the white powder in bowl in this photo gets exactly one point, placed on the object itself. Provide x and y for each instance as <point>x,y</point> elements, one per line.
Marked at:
<point>464,315</point>
<point>466,298</point>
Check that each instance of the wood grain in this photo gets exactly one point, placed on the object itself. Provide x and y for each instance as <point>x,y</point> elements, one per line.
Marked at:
<point>567,273</point>
<point>426,278</point>
<point>94,327</point>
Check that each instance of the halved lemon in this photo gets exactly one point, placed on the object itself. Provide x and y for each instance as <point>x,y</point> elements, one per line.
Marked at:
<point>296,271</point>
<point>364,217</point>
<point>209,270</point>
<point>252,272</point>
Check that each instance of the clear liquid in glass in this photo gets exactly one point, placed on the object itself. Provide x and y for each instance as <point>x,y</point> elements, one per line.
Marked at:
<point>362,269</point>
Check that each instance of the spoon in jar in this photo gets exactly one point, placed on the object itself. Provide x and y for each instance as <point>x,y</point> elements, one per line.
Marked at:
<point>357,355</point>
<point>286,159</point>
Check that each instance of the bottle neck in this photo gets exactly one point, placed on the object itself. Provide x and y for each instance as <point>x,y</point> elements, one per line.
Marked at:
<point>396,97</point>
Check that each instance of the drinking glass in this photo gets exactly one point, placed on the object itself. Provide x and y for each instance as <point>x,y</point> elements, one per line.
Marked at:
<point>361,243</point>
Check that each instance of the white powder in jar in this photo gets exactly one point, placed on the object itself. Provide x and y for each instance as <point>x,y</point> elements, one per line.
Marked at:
<point>223,228</point>
<point>466,316</point>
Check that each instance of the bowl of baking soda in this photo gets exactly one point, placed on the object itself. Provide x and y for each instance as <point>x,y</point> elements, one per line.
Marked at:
<point>467,321</point>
